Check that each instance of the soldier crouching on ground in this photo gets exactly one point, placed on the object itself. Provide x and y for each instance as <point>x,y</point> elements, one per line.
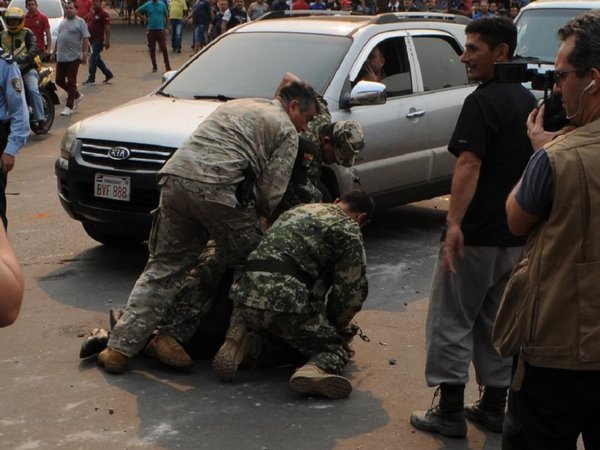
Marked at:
<point>281,294</point>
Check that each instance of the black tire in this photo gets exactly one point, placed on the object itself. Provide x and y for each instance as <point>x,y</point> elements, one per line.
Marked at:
<point>49,112</point>
<point>108,239</point>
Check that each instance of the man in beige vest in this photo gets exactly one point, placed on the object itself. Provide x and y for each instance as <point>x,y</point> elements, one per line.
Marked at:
<point>555,394</point>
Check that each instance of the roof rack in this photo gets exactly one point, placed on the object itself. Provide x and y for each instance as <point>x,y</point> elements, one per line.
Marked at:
<point>302,13</point>
<point>385,18</point>
<point>379,19</point>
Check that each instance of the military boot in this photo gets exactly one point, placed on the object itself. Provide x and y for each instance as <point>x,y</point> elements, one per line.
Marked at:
<point>167,350</point>
<point>489,409</point>
<point>240,347</point>
<point>448,417</point>
<point>112,360</point>
<point>312,380</point>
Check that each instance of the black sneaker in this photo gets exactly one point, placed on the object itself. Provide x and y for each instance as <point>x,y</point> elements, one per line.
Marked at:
<point>88,82</point>
<point>108,78</point>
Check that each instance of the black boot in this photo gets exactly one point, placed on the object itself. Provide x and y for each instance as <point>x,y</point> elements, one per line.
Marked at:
<point>489,409</point>
<point>448,417</point>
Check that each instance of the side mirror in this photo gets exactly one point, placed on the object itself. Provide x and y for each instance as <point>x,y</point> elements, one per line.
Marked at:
<point>368,93</point>
<point>168,75</point>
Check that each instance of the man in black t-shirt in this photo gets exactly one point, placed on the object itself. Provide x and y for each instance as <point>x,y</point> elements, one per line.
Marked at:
<point>478,251</point>
<point>234,16</point>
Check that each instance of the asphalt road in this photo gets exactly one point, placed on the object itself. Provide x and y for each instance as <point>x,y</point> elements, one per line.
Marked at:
<point>49,399</point>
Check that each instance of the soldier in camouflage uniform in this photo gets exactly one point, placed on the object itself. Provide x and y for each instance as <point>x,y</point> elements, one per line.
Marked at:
<point>200,200</point>
<point>337,142</point>
<point>282,292</point>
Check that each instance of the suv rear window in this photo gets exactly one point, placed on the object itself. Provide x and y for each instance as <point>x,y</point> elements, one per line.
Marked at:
<point>440,63</point>
<point>252,64</point>
<point>537,31</point>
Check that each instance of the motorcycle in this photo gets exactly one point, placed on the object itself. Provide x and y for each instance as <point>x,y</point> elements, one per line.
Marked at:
<point>47,90</point>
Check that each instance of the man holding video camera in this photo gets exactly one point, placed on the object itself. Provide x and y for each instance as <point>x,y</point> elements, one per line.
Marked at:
<point>478,251</point>
<point>555,394</point>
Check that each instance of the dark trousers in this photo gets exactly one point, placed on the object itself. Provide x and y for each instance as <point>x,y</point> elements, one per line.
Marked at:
<point>4,131</point>
<point>552,409</point>
<point>97,62</point>
<point>66,78</point>
<point>154,37</point>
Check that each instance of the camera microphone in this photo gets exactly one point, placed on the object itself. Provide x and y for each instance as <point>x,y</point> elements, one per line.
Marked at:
<point>585,89</point>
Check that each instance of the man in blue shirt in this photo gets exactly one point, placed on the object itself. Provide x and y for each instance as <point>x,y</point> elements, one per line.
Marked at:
<point>14,122</point>
<point>157,25</point>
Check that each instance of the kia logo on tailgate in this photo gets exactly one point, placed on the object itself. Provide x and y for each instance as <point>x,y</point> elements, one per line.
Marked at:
<point>119,153</point>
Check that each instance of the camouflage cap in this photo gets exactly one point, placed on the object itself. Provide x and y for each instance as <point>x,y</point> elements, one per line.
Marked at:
<point>348,140</point>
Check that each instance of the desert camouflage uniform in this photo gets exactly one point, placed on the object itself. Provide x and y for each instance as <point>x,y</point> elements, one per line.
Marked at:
<point>326,246</point>
<point>198,202</point>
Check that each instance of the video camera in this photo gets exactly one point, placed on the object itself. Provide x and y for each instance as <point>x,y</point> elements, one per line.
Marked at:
<point>518,71</point>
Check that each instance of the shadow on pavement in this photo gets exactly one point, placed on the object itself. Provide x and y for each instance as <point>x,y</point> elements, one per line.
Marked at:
<point>194,410</point>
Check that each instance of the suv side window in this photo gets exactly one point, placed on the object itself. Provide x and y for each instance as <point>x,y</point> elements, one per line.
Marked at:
<point>439,59</point>
<point>396,69</point>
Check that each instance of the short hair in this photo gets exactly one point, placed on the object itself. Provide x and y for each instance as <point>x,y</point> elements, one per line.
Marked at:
<point>495,31</point>
<point>301,91</point>
<point>586,52</point>
<point>31,1</point>
<point>359,201</point>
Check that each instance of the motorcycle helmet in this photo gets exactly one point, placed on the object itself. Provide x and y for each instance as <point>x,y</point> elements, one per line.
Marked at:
<point>15,19</point>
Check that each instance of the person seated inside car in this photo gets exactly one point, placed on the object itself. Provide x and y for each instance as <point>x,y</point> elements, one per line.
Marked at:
<point>373,68</point>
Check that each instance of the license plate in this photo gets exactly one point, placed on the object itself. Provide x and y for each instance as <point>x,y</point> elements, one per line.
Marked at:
<point>112,187</point>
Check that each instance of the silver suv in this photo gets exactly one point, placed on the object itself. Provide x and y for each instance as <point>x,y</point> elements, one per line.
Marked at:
<point>108,163</point>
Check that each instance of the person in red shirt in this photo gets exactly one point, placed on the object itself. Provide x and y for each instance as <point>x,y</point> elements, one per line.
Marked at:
<point>38,22</point>
<point>85,8</point>
<point>99,26</point>
<point>299,5</point>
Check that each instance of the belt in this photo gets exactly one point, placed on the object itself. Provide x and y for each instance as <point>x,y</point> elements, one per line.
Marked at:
<point>285,267</point>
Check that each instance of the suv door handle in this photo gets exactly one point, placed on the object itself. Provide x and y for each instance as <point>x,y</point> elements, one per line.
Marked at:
<point>414,113</point>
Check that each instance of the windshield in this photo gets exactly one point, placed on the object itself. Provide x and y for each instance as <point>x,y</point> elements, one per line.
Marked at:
<point>252,65</point>
<point>537,31</point>
<point>50,8</point>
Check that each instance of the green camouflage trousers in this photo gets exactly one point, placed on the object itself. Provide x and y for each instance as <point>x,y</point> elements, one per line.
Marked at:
<point>183,223</point>
<point>310,334</point>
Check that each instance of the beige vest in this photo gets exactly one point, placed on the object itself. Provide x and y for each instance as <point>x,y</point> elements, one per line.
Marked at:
<point>563,310</point>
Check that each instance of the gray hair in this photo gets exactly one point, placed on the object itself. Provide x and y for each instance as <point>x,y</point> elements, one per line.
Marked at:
<point>586,52</point>
<point>301,91</point>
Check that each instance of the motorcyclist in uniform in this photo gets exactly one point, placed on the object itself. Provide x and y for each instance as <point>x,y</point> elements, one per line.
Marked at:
<point>20,42</point>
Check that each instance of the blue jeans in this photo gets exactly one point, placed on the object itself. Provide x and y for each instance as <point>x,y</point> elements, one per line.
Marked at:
<point>176,33</point>
<point>31,81</point>
<point>96,62</point>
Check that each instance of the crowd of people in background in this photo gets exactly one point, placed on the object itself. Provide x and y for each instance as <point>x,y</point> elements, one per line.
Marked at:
<point>471,8</point>
<point>210,18</point>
